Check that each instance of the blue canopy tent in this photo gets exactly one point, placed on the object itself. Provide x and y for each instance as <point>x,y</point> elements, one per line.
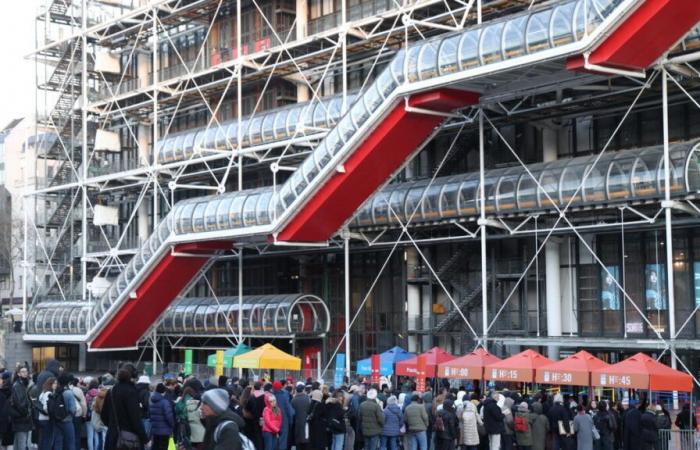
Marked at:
<point>386,361</point>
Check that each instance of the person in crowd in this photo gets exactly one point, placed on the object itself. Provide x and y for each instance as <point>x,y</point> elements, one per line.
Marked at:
<point>685,421</point>
<point>416,419</point>
<point>187,412</point>
<point>448,432</point>
<point>559,417</point>
<point>121,410</point>
<point>273,421</point>
<point>494,420</point>
<point>162,418</point>
<point>52,370</point>
<point>301,404</point>
<point>506,405</point>
<point>62,409</point>
<point>335,414</point>
<point>470,422</point>
<point>606,426</point>
<point>285,406</point>
<point>45,426</point>
<point>80,410</point>
<point>393,423</point>
<point>540,427</point>
<point>7,436</point>
<point>98,436</point>
<point>647,422</point>
<point>522,425</point>
<point>616,412</point>
<point>316,419</point>
<point>371,419</point>
<point>583,427</point>
<point>663,422</point>
<point>143,388</point>
<point>20,410</point>
<point>222,426</point>
<point>632,429</point>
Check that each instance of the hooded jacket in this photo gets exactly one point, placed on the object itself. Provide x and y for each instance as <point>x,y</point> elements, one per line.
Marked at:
<point>162,417</point>
<point>272,421</point>
<point>229,434</point>
<point>493,417</point>
<point>540,427</point>
<point>371,418</point>
<point>52,369</point>
<point>393,420</point>
<point>416,418</point>
<point>450,423</point>
<point>469,423</point>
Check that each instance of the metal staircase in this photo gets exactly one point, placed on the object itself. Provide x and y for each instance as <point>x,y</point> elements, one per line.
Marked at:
<point>468,296</point>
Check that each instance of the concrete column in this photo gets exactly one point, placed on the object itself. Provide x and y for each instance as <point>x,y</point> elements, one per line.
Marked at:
<point>303,93</point>
<point>82,357</point>
<point>550,144</point>
<point>143,69</point>
<point>412,298</point>
<point>144,149</point>
<point>302,11</point>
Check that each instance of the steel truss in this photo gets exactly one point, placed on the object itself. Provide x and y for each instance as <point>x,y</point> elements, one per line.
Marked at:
<point>139,106</point>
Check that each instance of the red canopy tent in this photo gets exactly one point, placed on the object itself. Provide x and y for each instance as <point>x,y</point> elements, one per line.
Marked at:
<point>434,356</point>
<point>520,367</point>
<point>467,367</point>
<point>573,371</point>
<point>642,372</point>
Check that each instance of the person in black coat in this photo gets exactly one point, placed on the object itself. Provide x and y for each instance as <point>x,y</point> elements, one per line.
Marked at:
<point>52,370</point>
<point>21,410</point>
<point>450,426</point>
<point>318,436</point>
<point>558,413</point>
<point>301,404</point>
<point>633,429</point>
<point>5,422</point>
<point>650,432</point>
<point>121,410</point>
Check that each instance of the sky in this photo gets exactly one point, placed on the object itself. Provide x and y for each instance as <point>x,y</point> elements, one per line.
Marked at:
<point>16,72</point>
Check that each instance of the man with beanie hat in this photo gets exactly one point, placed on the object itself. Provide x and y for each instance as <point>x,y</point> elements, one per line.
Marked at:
<point>221,424</point>
<point>285,405</point>
<point>371,420</point>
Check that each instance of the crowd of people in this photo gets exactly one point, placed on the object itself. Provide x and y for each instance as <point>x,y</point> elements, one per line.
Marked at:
<point>122,410</point>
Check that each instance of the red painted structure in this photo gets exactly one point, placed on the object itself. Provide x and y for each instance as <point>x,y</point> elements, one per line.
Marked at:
<point>155,293</point>
<point>377,156</point>
<point>641,39</point>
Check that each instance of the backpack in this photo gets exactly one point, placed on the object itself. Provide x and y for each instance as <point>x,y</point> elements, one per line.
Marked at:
<point>56,406</point>
<point>520,424</point>
<point>246,443</point>
<point>439,424</point>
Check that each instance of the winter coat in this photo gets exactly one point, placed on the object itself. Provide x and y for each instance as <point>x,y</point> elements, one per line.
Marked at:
<point>121,406</point>
<point>272,420</point>
<point>648,424</point>
<point>540,428</point>
<point>371,418</point>
<point>300,403</point>
<point>318,436</point>
<point>493,417</point>
<point>162,416</point>
<point>685,420</point>
<point>21,406</point>
<point>52,369</point>
<point>393,420</point>
<point>144,395</point>
<point>229,435</point>
<point>633,429</point>
<point>663,422</point>
<point>469,423</point>
<point>195,421</point>
<point>450,423</point>
<point>558,413</point>
<point>605,423</point>
<point>416,418</point>
<point>71,404</point>
<point>284,404</point>
<point>524,438</point>
<point>335,414</point>
<point>583,426</point>
<point>5,419</point>
<point>80,402</point>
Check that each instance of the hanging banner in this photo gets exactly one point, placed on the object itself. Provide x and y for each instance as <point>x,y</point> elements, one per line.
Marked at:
<point>421,370</point>
<point>339,369</point>
<point>188,361</point>
<point>376,366</point>
<point>655,275</point>
<point>219,369</point>
<point>609,293</point>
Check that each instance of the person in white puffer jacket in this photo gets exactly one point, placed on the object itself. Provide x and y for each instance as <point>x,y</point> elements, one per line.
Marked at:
<point>469,421</point>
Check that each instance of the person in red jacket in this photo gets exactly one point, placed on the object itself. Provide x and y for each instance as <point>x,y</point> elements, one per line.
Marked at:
<point>271,423</point>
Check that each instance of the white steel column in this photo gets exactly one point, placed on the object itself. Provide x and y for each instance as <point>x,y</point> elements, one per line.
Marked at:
<point>482,229</point>
<point>239,137</point>
<point>346,272</point>
<point>84,148</point>
<point>344,43</point>
<point>413,294</point>
<point>302,18</point>
<point>154,147</point>
<point>143,229</point>
<point>669,229</point>
<point>553,296</point>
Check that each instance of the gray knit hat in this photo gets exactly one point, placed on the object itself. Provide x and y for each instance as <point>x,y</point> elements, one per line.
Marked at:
<point>217,399</point>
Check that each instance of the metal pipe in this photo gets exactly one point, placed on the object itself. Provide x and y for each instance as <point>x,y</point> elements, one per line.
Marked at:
<point>346,273</point>
<point>84,154</point>
<point>668,225</point>
<point>482,224</point>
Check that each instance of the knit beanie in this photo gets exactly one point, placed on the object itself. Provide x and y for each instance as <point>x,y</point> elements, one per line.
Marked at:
<point>217,399</point>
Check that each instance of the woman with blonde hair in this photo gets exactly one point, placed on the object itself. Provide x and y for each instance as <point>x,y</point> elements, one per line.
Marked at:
<point>271,423</point>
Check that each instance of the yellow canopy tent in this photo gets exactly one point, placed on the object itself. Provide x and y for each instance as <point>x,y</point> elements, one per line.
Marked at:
<point>267,357</point>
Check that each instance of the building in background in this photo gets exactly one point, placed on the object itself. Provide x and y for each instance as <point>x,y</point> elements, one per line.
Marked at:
<point>144,105</point>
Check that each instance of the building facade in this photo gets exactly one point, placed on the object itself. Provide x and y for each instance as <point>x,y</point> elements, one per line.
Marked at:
<point>534,212</point>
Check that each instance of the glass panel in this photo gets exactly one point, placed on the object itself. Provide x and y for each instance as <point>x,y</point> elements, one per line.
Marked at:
<point>380,210</point>
<point>448,199</point>
<point>397,66</point>
<point>298,182</point>
<point>447,56</point>
<point>469,49</point>
<point>537,36</point>
<point>427,65</point>
<point>396,200</point>
<point>334,110</point>
<point>346,128</point>
<point>209,137</point>
<point>309,169</point>
<point>222,212</point>
<point>198,217</point>
<point>385,83</point>
<point>359,113</point>
<point>594,186</point>
<point>293,121</point>
<point>570,182</point>
<point>185,222</point>
<point>333,142</point>
<point>372,99</point>
<point>618,182</point>
<point>263,211</point>
<point>505,192</point>
<point>548,193</point>
<point>467,197</point>
<point>692,173</point>
<point>254,131</point>
<point>320,115</point>
<point>561,26</point>
<point>267,126</point>
<point>281,124</point>
<point>321,155</point>
<point>364,216</point>
<point>235,217</point>
<point>490,44</point>
<point>413,53</point>
<point>412,208</point>
<point>210,214</point>
<point>249,209</point>
<point>514,37</point>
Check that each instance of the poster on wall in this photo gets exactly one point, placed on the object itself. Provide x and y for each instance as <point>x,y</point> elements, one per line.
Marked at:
<point>609,292</point>
<point>655,276</point>
<point>696,275</point>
